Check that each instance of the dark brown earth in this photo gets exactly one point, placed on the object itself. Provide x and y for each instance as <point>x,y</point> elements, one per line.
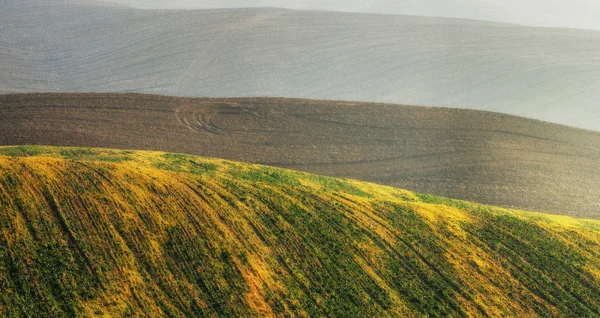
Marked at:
<point>479,156</point>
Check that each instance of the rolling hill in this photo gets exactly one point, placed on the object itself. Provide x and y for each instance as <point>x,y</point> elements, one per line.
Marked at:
<point>478,156</point>
<point>85,46</point>
<point>93,232</point>
<point>580,14</point>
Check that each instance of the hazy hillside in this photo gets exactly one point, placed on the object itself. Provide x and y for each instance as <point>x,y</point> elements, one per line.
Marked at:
<point>582,14</point>
<point>90,232</point>
<point>479,156</point>
<point>549,74</point>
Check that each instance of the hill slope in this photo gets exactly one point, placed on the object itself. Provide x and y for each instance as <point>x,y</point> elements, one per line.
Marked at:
<point>581,14</point>
<point>548,74</point>
<point>92,232</point>
<point>477,156</point>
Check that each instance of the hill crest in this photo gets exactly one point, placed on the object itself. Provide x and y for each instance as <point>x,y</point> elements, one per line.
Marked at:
<point>548,74</point>
<point>464,154</point>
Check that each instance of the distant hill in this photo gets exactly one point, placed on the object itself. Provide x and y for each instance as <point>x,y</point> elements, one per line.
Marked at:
<point>581,14</point>
<point>92,232</point>
<point>62,45</point>
<point>478,156</point>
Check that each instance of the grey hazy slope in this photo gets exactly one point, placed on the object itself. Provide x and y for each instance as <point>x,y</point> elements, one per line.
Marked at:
<point>548,74</point>
<point>580,14</point>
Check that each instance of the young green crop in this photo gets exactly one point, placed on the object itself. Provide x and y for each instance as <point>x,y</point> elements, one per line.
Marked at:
<point>92,232</point>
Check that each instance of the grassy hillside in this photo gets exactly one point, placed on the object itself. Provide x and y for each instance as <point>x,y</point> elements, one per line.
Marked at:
<point>104,232</point>
<point>80,46</point>
<point>478,156</point>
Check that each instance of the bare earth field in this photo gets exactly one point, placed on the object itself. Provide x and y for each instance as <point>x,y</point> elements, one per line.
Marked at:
<point>479,156</point>
<point>84,46</point>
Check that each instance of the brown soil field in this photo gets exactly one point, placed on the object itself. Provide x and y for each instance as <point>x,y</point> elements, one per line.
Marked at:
<point>465,154</point>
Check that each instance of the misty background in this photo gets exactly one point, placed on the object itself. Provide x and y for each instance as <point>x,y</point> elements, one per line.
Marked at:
<point>551,74</point>
<point>583,14</point>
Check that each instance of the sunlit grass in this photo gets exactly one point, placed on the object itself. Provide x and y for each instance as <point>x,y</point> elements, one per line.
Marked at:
<point>109,232</point>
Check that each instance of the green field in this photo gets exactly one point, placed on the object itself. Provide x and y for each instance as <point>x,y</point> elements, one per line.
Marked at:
<point>96,232</point>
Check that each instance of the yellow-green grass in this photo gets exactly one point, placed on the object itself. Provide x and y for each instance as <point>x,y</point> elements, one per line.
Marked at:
<point>88,232</point>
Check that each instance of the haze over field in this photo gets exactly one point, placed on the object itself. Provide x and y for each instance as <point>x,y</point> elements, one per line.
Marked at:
<point>547,74</point>
<point>553,13</point>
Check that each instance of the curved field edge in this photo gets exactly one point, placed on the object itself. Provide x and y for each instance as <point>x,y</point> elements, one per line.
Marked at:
<point>92,232</point>
<point>483,157</point>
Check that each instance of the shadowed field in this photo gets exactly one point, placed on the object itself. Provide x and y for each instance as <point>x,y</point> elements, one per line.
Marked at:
<point>478,156</point>
<point>90,232</point>
<point>83,46</point>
